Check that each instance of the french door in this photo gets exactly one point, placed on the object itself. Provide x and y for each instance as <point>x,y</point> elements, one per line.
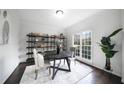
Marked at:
<point>83,46</point>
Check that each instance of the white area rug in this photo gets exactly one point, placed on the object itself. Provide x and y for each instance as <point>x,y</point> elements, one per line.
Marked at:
<point>78,72</point>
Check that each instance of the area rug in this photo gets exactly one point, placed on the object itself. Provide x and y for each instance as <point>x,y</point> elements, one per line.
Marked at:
<point>78,72</point>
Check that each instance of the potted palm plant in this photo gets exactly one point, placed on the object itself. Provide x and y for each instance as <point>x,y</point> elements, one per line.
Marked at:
<point>108,48</point>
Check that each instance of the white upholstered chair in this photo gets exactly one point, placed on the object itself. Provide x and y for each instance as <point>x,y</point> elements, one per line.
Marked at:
<point>39,63</point>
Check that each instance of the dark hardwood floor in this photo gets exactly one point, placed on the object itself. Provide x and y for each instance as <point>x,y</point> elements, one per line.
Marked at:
<point>97,76</point>
<point>16,76</point>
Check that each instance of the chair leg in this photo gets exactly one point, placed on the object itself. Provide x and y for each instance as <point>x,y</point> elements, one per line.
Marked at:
<point>36,74</point>
<point>75,61</point>
<point>69,61</point>
<point>64,61</point>
<point>49,70</point>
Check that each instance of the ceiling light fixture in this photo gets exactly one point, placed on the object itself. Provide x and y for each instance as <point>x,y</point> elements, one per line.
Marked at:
<point>59,13</point>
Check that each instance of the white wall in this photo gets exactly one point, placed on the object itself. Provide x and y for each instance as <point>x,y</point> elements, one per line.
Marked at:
<point>9,52</point>
<point>101,24</point>
<point>122,16</point>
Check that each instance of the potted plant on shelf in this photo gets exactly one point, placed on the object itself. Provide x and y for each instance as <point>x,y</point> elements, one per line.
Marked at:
<point>108,48</point>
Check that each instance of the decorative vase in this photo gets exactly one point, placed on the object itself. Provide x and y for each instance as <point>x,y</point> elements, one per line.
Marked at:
<point>108,64</point>
<point>58,49</point>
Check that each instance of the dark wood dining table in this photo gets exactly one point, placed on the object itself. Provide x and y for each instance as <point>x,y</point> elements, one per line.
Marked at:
<point>62,55</point>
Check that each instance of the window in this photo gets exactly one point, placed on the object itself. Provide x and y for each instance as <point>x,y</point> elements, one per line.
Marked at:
<point>86,45</point>
<point>76,39</point>
<point>77,51</point>
<point>77,44</point>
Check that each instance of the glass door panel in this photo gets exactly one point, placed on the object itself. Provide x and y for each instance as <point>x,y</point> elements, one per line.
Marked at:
<point>77,44</point>
<point>83,46</point>
<point>86,45</point>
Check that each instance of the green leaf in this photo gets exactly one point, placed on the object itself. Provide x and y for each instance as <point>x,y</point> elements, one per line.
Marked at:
<point>105,50</point>
<point>106,45</point>
<point>110,54</point>
<point>112,46</point>
<point>113,52</point>
<point>115,32</point>
<point>105,41</point>
<point>103,46</point>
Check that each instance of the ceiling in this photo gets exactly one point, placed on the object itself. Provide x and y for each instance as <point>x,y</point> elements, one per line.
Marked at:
<point>49,17</point>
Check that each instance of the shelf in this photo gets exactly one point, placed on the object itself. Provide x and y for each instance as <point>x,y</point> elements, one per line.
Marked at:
<point>40,41</point>
<point>34,42</point>
<point>34,35</point>
<point>46,36</point>
<point>41,47</point>
<point>30,59</point>
<point>40,36</point>
<point>49,42</point>
<point>29,53</point>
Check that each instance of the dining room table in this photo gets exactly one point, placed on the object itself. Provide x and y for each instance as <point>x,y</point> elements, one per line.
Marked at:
<point>53,57</point>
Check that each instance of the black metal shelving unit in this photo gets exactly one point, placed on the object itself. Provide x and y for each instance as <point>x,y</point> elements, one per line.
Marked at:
<point>42,43</point>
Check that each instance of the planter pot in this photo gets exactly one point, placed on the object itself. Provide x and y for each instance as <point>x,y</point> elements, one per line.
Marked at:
<point>108,64</point>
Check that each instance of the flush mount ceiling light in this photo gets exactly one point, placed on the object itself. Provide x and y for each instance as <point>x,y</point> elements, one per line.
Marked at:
<point>59,13</point>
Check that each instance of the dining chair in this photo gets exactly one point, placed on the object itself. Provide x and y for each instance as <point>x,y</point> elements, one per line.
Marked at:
<point>72,50</point>
<point>39,63</point>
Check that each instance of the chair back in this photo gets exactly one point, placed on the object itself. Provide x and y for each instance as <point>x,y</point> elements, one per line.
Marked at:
<point>38,58</point>
<point>35,58</point>
<point>72,49</point>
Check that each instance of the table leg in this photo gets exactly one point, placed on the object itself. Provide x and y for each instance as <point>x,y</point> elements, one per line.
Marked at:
<point>53,70</point>
<point>68,63</point>
<point>64,61</point>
